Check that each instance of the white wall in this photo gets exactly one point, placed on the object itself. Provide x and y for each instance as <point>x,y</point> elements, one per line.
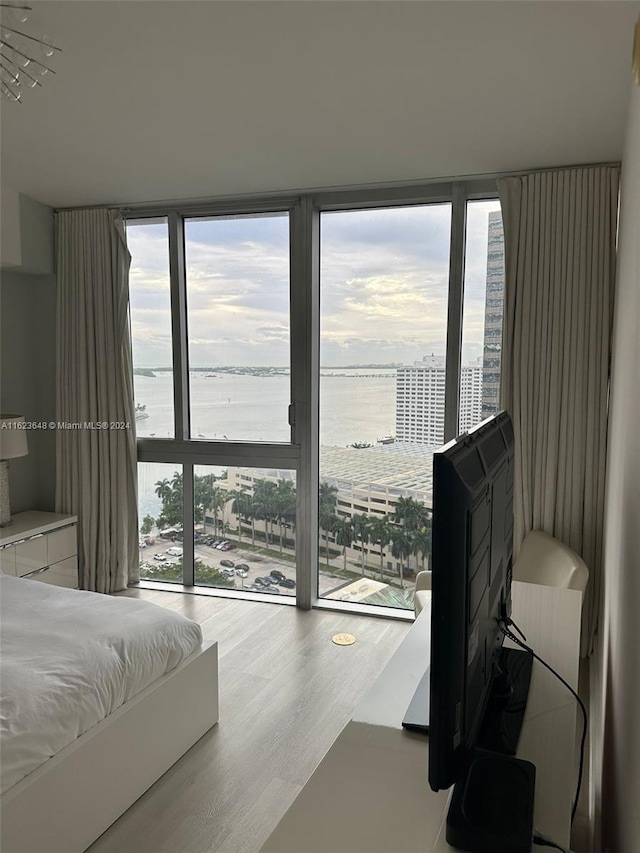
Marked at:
<point>28,381</point>
<point>27,234</point>
<point>10,248</point>
<point>616,664</point>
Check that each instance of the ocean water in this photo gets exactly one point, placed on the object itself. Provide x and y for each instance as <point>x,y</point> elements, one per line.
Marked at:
<point>355,406</point>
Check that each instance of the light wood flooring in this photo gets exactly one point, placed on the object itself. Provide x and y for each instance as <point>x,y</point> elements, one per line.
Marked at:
<point>286,691</point>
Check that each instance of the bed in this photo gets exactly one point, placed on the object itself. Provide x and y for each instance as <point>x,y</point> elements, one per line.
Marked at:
<point>93,687</point>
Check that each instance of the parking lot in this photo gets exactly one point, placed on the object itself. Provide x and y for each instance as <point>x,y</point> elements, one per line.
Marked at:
<point>259,564</point>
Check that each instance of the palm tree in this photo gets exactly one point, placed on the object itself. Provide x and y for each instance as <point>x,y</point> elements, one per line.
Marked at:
<point>360,525</point>
<point>401,547</point>
<point>344,536</point>
<point>285,505</point>
<point>380,535</point>
<point>414,517</point>
<point>327,498</point>
<point>409,513</point>
<point>243,506</point>
<point>422,542</point>
<point>163,489</point>
<point>237,497</point>
<point>203,495</point>
<point>217,501</point>
<point>170,492</point>
<point>264,495</point>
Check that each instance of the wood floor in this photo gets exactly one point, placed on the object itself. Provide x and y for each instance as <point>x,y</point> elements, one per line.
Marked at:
<point>286,691</point>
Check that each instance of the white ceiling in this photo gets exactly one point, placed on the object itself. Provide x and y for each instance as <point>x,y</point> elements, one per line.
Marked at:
<point>163,99</point>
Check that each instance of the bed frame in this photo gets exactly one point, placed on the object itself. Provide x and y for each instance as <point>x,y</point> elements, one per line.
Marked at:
<point>64,805</point>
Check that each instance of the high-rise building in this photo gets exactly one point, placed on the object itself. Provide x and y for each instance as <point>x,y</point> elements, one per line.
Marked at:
<point>420,389</point>
<point>493,316</point>
<point>420,400</point>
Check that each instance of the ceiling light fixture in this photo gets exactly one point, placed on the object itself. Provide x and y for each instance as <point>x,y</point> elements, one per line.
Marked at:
<point>23,57</point>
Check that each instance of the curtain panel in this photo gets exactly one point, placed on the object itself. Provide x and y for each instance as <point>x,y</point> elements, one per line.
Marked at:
<point>96,453</point>
<point>560,253</point>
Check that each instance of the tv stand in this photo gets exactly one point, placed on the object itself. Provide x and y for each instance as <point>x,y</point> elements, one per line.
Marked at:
<point>505,707</point>
<point>370,793</point>
<point>417,717</point>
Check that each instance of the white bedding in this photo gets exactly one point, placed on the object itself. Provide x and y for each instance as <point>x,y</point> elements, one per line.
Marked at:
<point>69,658</point>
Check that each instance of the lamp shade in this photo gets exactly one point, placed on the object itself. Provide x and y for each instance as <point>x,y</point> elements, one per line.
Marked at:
<point>13,437</point>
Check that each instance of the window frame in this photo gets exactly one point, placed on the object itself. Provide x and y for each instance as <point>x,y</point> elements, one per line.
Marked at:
<point>301,453</point>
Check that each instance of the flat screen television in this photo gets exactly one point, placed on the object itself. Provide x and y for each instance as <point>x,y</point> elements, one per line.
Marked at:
<point>477,689</point>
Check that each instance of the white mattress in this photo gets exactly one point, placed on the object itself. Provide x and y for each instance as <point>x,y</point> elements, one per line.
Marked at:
<point>69,658</point>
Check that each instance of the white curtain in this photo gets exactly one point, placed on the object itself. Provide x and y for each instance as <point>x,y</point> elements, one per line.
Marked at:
<point>560,251</point>
<point>96,457</point>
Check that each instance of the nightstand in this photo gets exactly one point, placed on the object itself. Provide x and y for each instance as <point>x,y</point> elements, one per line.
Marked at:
<point>41,546</point>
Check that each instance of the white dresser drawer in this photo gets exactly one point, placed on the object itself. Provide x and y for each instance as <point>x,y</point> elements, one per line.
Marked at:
<point>61,544</point>
<point>41,542</point>
<point>64,573</point>
<point>8,559</point>
<point>31,554</point>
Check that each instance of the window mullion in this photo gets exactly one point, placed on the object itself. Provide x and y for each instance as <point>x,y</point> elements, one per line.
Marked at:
<point>305,350</point>
<point>179,326</point>
<point>188,568</point>
<point>454,311</point>
<point>181,381</point>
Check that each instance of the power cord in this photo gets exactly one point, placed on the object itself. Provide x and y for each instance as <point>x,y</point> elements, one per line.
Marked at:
<point>505,625</point>
<point>545,841</point>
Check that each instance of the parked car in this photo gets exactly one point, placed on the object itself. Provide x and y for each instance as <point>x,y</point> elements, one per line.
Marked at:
<point>226,563</point>
<point>149,540</point>
<point>277,575</point>
<point>261,582</point>
<point>271,589</point>
<point>174,551</point>
<point>227,573</point>
<point>228,546</point>
<point>160,558</point>
<point>271,580</point>
<point>242,566</point>
<point>288,583</point>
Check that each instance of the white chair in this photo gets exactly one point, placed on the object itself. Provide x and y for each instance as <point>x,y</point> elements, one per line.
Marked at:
<point>423,592</point>
<point>545,560</point>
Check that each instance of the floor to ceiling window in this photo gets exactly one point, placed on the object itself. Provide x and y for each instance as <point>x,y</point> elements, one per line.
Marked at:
<point>383,312</point>
<point>210,325</point>
<point>294,362</point>
<point>150,307</point>
<point>482,314</point>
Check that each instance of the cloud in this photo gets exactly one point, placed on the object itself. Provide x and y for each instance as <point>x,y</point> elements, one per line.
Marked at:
<point>384,280</point>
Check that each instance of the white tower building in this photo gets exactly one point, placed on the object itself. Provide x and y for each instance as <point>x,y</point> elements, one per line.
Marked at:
<point>420,400</point>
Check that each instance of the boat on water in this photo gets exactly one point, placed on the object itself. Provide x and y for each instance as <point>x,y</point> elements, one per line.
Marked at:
<point>141,412</point>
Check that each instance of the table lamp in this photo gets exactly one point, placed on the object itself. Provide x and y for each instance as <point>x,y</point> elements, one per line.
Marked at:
<point>13,443</point>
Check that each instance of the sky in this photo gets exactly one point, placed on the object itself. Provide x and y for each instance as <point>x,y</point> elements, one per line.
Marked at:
<point>383,287</point>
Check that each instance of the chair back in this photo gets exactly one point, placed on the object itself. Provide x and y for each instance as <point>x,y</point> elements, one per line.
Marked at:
<point>545,560</point>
